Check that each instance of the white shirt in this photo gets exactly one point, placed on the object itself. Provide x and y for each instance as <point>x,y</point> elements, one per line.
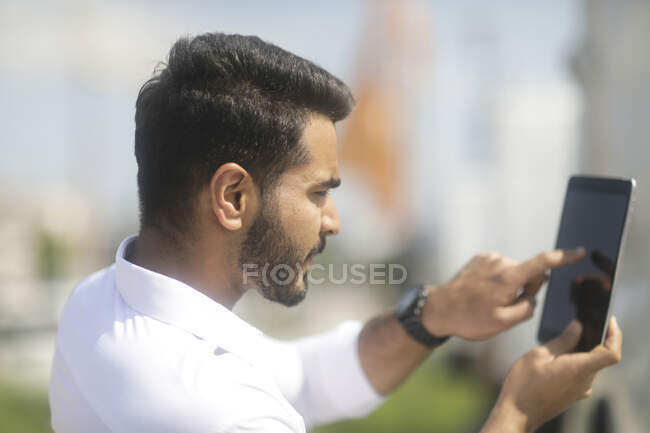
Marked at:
<point>138,351</point>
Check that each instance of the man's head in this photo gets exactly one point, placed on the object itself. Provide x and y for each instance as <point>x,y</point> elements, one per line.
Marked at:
<point>295,219</point>
<point>235,137</point>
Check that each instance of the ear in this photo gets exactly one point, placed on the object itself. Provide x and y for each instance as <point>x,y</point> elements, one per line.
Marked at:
<point>232,195</point>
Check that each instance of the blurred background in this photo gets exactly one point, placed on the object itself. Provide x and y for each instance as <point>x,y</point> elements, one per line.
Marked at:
<point>470,118</point>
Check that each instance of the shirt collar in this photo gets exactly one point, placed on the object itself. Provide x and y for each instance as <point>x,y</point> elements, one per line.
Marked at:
<point>174,302</point>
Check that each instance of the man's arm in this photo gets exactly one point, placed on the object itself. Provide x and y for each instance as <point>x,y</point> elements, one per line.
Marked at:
<point>489,295</point>
<point>387,353</point>
<point>321,375</point>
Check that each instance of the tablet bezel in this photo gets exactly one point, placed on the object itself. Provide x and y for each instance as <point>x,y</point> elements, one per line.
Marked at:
<point>610,185</point>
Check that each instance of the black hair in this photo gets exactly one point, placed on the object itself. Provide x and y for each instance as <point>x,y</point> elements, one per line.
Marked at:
<point>224,98</point>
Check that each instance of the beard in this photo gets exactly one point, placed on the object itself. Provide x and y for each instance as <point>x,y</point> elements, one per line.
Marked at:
<point>279,261</point>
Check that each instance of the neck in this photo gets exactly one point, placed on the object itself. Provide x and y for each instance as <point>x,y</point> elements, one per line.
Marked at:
<point>192,262</point>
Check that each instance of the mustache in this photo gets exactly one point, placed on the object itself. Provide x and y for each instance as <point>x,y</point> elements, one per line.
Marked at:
<point>318,248</point>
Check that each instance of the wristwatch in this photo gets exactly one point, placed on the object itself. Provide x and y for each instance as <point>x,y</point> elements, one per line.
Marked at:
<point>409,312</point>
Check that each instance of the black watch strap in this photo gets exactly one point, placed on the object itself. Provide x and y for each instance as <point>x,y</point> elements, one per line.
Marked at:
<point>409,315</point>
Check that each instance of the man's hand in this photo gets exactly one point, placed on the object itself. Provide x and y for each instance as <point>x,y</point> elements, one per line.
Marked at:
<point>545,381</point>
<point>490,294</point>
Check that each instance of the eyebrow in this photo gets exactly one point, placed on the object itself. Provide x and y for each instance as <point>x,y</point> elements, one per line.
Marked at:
<point>333,182</point>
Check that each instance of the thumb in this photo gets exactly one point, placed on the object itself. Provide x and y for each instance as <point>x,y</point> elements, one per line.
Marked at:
<point>567,341</point>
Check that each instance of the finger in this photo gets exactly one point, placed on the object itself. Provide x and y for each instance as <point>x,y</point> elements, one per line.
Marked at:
<point>614,339</point>
<point>533,285</point>
<point>521,310</point>
<point>594,361</point>
<point>567,341</point>
<point>603,262</point>
<point>550,259</point>
<point>603,355</point>
<point>597,280</point>
<point>606,283</point>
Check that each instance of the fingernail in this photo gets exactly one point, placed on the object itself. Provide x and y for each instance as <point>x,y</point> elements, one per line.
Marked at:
<point>580,250</point>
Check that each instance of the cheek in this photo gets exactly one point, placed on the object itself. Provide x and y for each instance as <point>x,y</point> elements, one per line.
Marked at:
<point>300,220</point>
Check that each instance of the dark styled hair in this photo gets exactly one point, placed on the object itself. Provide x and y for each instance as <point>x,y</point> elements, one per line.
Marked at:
<point>224,98</point>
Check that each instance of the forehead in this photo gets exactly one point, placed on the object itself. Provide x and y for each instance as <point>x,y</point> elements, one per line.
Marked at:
<point>319,139</point>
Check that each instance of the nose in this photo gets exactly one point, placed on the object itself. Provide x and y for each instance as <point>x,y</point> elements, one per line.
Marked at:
<point>330,222</point>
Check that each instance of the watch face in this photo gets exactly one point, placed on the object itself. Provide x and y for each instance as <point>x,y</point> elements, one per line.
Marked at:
<point>406,303</point>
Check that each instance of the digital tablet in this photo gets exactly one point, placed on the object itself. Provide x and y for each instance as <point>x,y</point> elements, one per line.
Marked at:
<point>595,215</point>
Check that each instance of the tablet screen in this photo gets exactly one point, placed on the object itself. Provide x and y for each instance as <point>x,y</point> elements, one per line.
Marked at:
<point>594,215</point>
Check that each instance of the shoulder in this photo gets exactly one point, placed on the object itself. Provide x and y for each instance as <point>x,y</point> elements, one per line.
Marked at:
<point>89,296</point>
<point>141,374</point>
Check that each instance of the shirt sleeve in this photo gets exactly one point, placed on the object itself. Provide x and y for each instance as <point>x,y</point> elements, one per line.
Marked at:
<point>322,376</point>
<point>261,425</point>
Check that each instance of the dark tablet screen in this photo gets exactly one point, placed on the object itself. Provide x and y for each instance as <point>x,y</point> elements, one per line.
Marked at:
<point>594,216</point>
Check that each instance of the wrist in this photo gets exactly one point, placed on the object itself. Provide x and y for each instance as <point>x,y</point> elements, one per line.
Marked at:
<point>435,311</point>
<point>506,417</point>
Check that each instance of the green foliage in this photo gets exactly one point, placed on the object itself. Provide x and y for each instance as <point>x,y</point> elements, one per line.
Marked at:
<point>23,411</point>
<point>50,253</point>
<point>436,399</point>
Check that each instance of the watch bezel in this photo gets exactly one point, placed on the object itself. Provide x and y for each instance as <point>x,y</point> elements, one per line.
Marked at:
<point>406,306</point>
<point>409,312</point>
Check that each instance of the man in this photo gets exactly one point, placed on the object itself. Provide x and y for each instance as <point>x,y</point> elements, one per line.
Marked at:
<point>236,152</point>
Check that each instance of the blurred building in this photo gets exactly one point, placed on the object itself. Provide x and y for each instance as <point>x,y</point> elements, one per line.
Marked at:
<point>50,241</point>
<point>479,130</point>
<point>612,64</point>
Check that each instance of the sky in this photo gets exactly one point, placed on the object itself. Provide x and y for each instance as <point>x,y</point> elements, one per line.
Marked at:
<point>70,72</point>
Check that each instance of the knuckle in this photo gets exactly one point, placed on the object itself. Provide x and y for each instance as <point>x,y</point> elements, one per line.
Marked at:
<point>610,357</point>
<point>537,367</point>
<point>488,255</point>
<point>547,257</point>
<point>496,316</point>
<point>536,352</point>
<point>527,311</point>
<point>494,256</point>
<point>500,319</point>
<point>531,310</point>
